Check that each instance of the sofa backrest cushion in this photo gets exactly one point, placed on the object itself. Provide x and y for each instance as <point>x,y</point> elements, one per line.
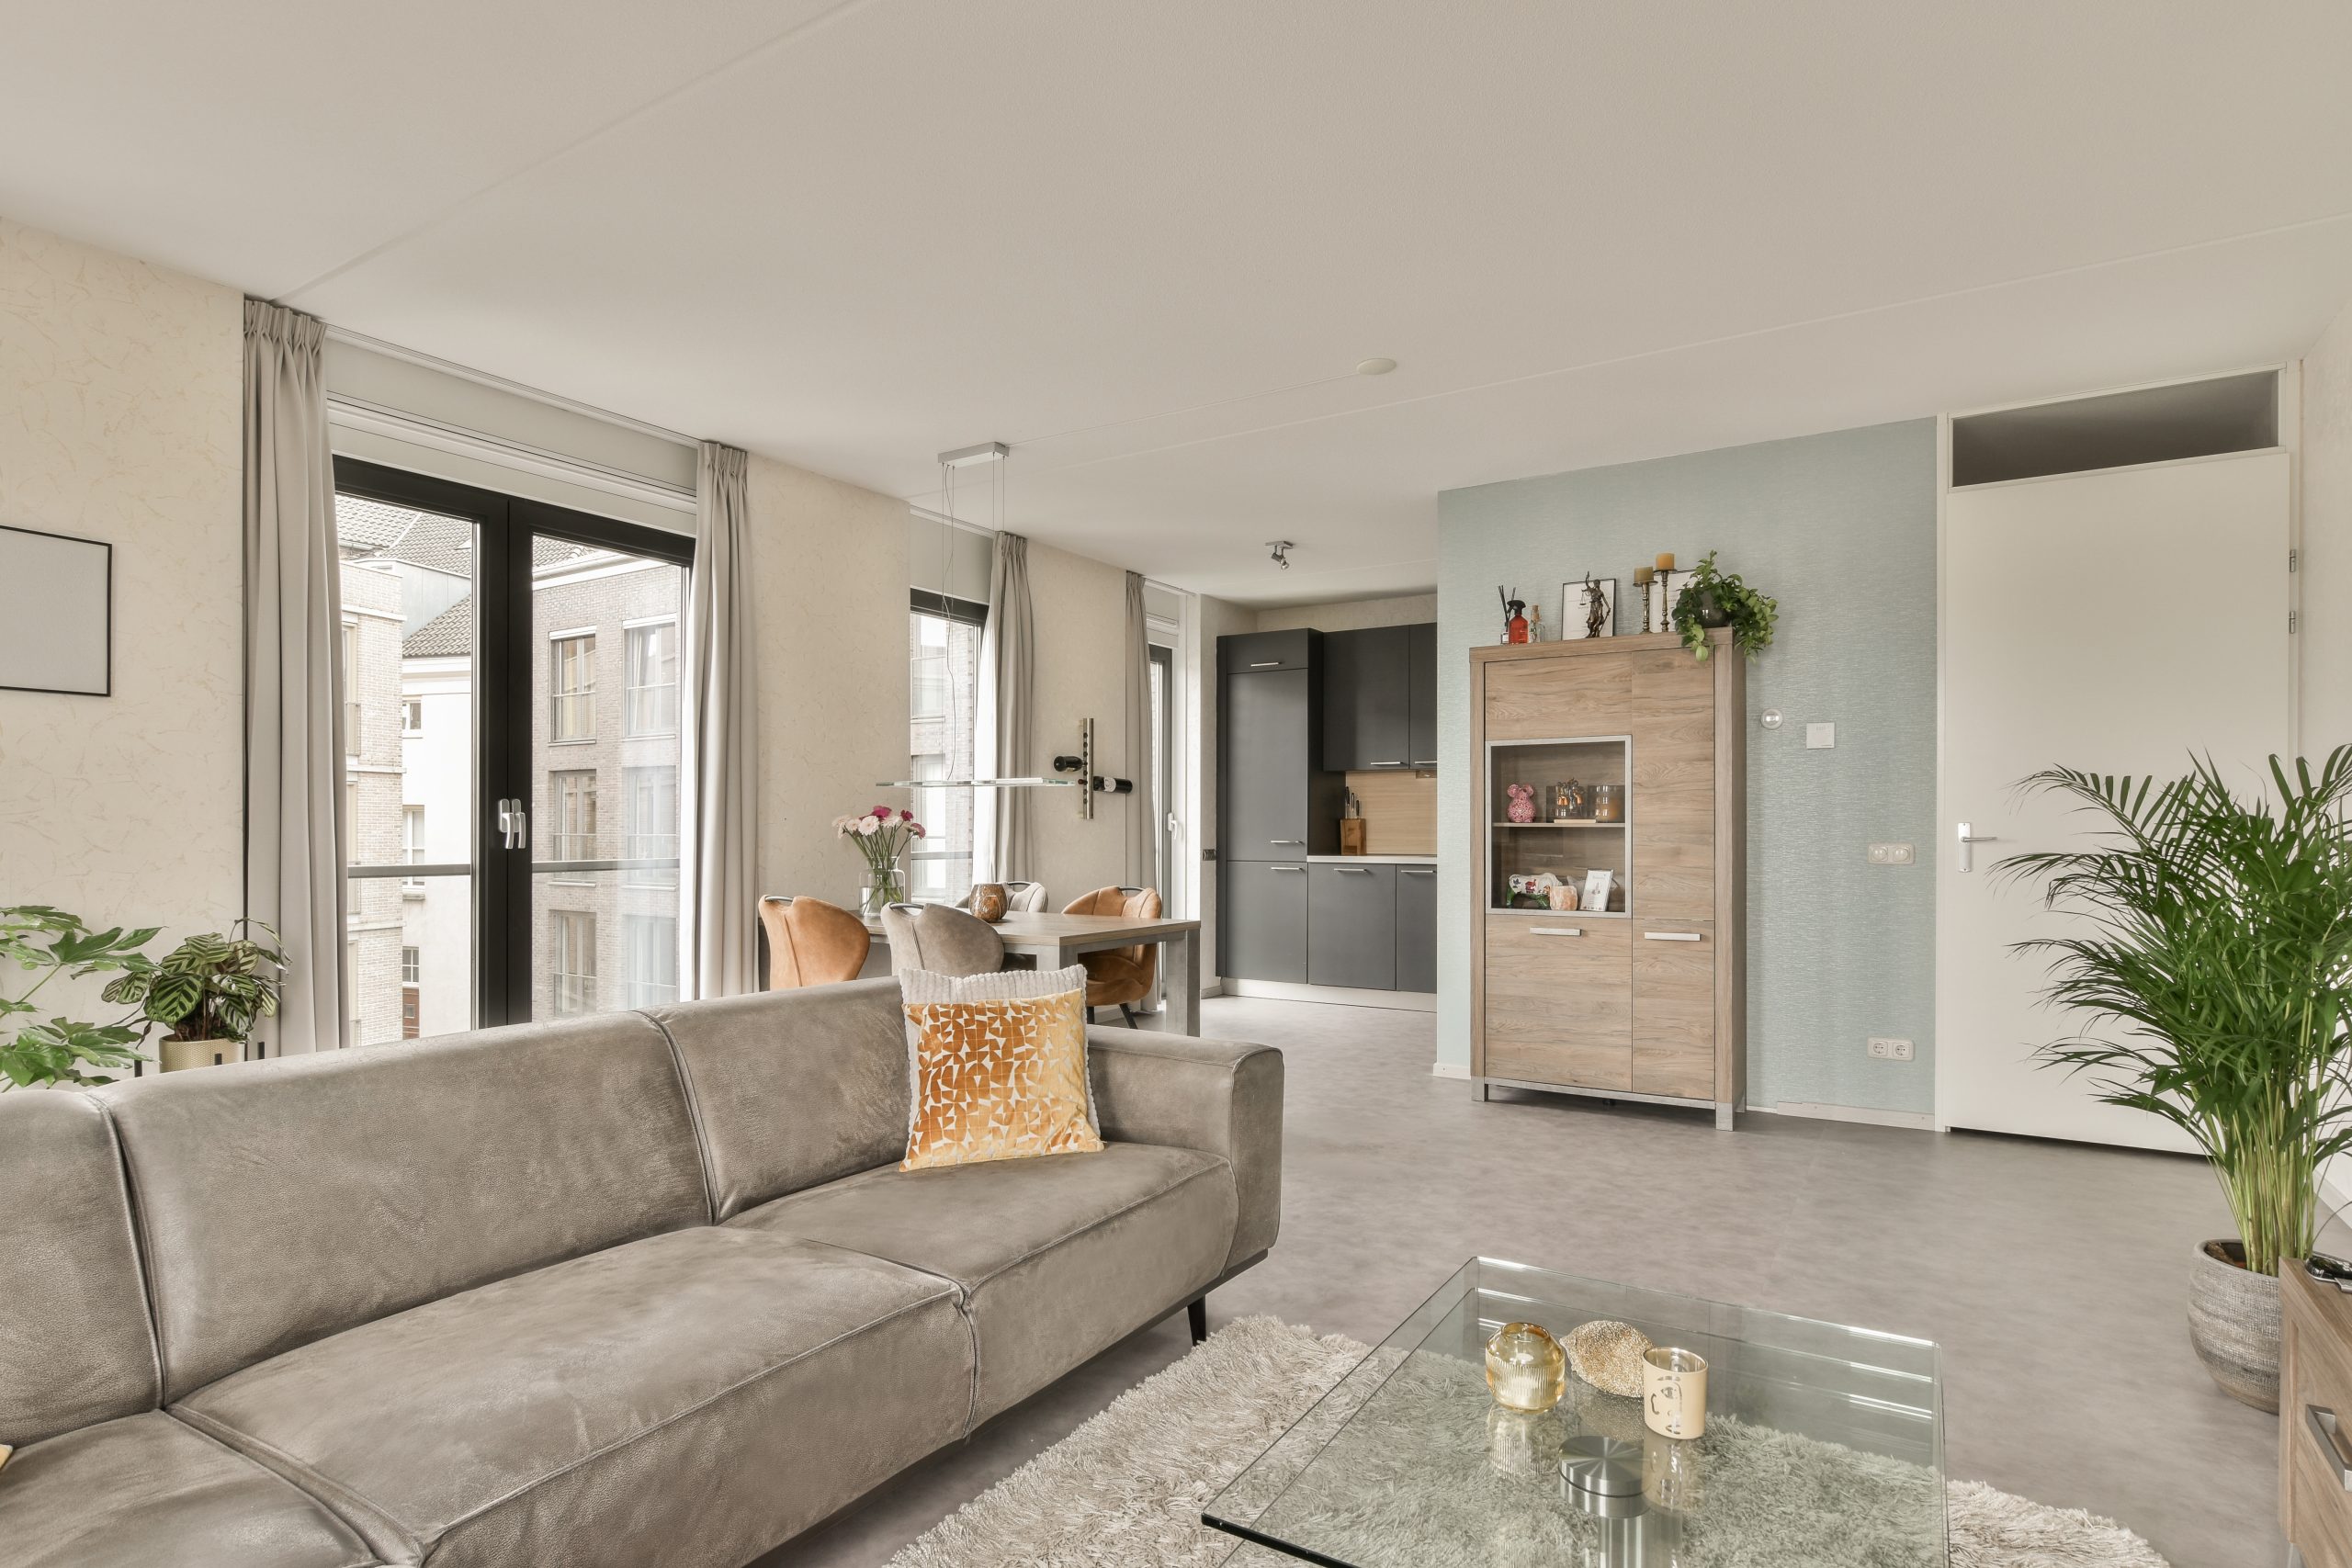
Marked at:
<point>792,1088</point>
<point>282,1201</point>
<point>75,1346</point>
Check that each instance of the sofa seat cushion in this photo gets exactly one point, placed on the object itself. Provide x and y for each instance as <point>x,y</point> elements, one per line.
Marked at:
<point>145,1490</point>
<point>1057,1257</point>
<point>691,1398</point>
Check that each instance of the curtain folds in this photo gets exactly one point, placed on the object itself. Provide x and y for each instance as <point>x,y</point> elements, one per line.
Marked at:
<point>1003,850</point>
<point>718,896</point>
<point>295,835</point>
<point>1142,836</point>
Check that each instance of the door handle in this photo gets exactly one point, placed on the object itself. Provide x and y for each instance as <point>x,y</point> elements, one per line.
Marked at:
<point>1669,936</point>
<point>2322,1425</point>
<point>1556,931</point>
<point>513,824</point>
<point>1967,859</point>
<point>505,822</point>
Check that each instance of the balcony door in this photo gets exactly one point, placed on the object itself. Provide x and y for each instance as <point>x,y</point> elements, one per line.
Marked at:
<point>511,768</point>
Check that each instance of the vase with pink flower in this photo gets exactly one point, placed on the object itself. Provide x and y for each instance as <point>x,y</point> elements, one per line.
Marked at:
<point>880,836</point>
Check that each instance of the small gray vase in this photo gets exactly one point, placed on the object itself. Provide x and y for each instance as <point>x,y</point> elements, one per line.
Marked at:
<point>2234,1323</point>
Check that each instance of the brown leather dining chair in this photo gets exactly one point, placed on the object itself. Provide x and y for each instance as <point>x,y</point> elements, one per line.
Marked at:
<point>1123,975</point>
<point>811,942</point>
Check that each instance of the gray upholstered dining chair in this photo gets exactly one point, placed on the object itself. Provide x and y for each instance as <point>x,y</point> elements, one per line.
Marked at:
<point>941,939</point>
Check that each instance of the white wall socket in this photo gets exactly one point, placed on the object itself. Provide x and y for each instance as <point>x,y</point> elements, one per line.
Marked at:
<point>1887,1050</point>
<point>1893,854</point>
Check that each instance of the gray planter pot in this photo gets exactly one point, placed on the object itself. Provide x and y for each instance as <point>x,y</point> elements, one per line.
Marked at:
<point>2234,1323</point>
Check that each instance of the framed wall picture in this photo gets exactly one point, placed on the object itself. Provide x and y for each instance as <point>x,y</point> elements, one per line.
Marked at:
<point>56,613</point>
<point>1577,619</point>
<point>1596,889</point>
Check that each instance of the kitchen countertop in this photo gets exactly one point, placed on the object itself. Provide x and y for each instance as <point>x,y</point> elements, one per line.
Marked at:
<point>1371,859</point>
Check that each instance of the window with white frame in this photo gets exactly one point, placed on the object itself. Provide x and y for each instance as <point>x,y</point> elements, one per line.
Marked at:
<point>650,703</point>
<point>573,793</point>
<point>649,959</point>
<point>412,716</point>
<point>412,845</point>
<point>351,710</point>
<point>573,663</point>
<point>649,823</point>
<point>943,708</point>
<point>571,961</point>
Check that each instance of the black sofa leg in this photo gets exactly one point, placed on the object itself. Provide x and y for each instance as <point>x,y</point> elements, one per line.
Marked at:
<point>1196,1312</point>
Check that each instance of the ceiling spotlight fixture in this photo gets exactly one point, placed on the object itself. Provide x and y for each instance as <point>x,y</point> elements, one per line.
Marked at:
<point>1282,548</point>
<point>1379,365</point>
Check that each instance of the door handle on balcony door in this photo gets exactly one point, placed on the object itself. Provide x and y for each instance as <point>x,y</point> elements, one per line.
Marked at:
<point>513,824</point>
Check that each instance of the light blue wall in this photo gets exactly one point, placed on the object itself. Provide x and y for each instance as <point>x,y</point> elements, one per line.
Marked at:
<point>1841,529</point>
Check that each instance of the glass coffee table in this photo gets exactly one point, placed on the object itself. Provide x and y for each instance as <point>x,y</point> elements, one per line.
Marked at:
<point>1824,1446</point>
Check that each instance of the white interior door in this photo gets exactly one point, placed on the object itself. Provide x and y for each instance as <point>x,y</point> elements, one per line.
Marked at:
<point>2112,622</point>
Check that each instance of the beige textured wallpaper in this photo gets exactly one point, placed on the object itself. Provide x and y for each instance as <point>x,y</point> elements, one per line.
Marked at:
<point>118,421</point>
<point>830,563</point>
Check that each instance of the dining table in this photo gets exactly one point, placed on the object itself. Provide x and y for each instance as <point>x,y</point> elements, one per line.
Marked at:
<point>1056,942</point>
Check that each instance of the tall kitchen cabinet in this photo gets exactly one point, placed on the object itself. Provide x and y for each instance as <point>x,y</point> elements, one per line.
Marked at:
<point>1644,999</point>
<point>1275,804</point>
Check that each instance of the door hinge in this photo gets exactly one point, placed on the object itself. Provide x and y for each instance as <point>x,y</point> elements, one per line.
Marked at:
<point>2293,618</point>
<point>2294,561</point>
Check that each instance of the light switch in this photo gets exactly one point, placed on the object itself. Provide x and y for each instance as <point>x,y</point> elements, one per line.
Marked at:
<point>1820,736</point>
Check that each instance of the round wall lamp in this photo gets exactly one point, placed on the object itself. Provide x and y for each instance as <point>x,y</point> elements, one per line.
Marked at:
<point>1772,719</point>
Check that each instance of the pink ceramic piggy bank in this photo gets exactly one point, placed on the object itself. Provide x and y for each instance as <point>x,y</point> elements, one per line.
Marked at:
<point>1523,802</point>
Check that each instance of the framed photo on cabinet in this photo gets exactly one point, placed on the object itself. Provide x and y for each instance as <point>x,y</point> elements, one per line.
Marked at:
<point>1580,616</point>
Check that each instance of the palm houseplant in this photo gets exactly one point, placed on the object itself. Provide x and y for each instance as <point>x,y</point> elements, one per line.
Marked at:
<point>2211,966</point>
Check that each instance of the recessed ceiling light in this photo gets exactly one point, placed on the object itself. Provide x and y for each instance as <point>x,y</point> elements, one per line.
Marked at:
<point>1378,366</point>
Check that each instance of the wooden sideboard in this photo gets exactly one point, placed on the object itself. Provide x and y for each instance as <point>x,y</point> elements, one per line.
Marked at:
<point>2315,1418</point>
<point>1645,999</point>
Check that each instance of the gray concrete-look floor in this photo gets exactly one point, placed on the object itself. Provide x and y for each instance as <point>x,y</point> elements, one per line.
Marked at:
<point>2052,1275</point>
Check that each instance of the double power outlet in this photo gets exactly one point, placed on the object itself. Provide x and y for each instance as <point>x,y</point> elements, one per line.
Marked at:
<point>1889,1050</point>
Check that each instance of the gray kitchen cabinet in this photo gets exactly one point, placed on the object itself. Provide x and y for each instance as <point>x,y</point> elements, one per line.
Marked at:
<point>1263,936</point>
<point>1366,698</point>
<point>1420,708</point>
<point>1267,779</point>
<point>1351,926</point>
<point>1416,927</point>
<point>1246,652</point>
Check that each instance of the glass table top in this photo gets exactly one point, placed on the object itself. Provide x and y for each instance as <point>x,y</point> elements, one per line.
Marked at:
<point>1824,1446</point>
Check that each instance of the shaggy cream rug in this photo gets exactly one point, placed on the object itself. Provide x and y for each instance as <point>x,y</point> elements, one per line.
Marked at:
<point>1128,1486</point>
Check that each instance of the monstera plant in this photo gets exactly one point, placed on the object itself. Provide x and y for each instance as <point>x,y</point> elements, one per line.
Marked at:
<point>46,943</point>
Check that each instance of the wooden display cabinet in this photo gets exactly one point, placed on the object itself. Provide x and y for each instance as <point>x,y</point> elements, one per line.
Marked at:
<point>1645,999</point>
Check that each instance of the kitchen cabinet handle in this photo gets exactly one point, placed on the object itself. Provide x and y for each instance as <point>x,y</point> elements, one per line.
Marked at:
<point>2322,1425</point>
<point>1356,870</point>
<point>1669,936</point>
<point>1286,841</point>
<point>1286,868</point>
<point>1430,763</point>
<point>1556,931</point>
<point>1267,664</point>
<point>1415,871</point>
<point>1401,763</point>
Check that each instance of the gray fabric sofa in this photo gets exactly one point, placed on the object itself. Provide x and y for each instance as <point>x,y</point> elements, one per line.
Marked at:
<point>633,1289</point>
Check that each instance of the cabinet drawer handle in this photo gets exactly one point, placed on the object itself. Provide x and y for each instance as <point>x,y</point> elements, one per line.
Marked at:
<point>1286,841</point>
<point>1431,763</point>
<point>1353,870</point>
<point>1556,931</point>
<point>1415,871</point>
<point>1267,664</point>
<point>1286,868</point>
<point>1669,936</point>
<point>2323,1423</point>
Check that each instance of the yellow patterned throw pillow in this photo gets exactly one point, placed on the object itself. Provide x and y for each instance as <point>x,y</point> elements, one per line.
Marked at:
<point>998,1066</point>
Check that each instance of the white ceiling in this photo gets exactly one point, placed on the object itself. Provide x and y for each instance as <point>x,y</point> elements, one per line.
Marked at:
<point>1145,243</point>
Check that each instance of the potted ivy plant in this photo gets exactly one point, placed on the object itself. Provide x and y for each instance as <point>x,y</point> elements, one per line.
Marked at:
<point>207,993</point>
<point>45,941</point>
<point>1713,598</point>
<point>2212,968</point>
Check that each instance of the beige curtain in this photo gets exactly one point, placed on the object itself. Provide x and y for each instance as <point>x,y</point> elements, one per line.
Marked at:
<point>1002,851</point>
<point>294,755</point>
<point>1143,841</point>
<point>719,892</point>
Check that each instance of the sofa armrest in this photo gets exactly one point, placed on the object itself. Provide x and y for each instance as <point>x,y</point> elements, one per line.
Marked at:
<point>1220,1097</point>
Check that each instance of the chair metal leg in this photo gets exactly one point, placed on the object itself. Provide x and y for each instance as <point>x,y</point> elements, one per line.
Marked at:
<point>1129,1014</point>
<point>1196,1314</point>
